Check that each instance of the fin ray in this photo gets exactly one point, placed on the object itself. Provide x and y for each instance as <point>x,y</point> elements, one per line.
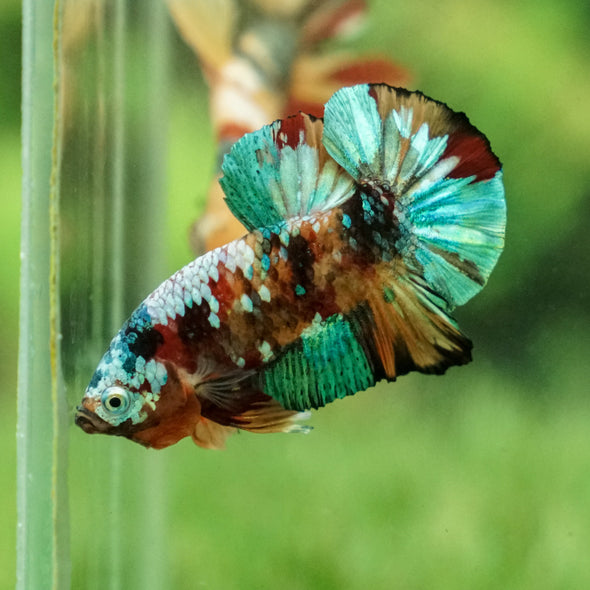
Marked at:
<point>353,131</point>
<point>256,412</point>
<point>452,227</point>
<point>282,171</point>
<point>328,362</point>
<point>438,172</point>
<point>412,330</point>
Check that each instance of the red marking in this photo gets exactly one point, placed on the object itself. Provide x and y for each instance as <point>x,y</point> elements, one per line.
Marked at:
<point>173,349</point>
<point>475,155</point>
<point>290,131</point>
<point>223,291</point>
<point>324,302</point>
<point>373,93</point>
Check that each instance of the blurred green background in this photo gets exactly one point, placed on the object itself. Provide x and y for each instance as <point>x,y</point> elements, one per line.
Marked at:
<point>478,479</point>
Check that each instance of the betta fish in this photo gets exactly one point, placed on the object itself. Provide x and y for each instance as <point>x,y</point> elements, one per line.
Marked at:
<point>365,230</point>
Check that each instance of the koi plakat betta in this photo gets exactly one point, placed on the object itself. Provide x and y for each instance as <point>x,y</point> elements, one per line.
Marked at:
<point>365,230</point>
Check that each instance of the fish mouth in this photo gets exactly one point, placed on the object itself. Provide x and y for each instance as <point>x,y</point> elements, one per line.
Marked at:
<point>89,422</point>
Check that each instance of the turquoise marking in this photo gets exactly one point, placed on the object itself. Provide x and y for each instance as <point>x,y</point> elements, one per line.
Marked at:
<point>140,367</point>
<point>246,180</point>
<point>179,305</point>
<point>392,139</point>
<point>352,131</point>
<point>284,236</point>
<point>346,221</point>
<point>196,296</point>
<point>265,262</point>
<point>368,212</point>
<point>213,304</point>
<point>454,230</point>
<point>326,363</point>
<point>421,156</point>
<point>214,320</point>
<point>388,295</point>
<point>369,148</point>
<point>299,290</point>
<point>378,239</point>
<point>156,375</point>
<point>265,185</point>
<point>121,369</point>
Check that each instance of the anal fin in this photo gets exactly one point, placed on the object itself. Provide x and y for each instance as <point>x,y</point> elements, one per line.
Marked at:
<point>329,361</point>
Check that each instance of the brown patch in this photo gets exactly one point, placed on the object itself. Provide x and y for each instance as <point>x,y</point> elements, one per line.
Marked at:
<point>467,267</point>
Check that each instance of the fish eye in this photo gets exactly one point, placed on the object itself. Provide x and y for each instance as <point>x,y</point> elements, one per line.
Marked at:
<point>116,400</point>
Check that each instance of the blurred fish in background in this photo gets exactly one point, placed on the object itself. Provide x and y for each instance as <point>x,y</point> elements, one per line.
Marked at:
<point>265,60</point>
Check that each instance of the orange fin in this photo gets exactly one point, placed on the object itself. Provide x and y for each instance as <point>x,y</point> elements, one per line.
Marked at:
<point>268,415</point>
<point>251,410</point>
<point>411,332</point>
<point>210,435</point>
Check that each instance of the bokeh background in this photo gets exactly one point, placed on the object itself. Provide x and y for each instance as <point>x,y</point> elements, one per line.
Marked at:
<point>478,479</point>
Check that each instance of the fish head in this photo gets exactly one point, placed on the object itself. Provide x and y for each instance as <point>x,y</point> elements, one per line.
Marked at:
<point>135,394</point>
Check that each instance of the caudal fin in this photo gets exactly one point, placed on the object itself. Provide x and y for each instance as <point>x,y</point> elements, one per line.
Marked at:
<point>437,172</point>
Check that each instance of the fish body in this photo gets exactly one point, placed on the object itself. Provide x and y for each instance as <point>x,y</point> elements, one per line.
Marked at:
<point>366,229</point>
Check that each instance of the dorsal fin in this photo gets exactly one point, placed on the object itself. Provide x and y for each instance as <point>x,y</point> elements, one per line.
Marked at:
<point>282,171</point>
